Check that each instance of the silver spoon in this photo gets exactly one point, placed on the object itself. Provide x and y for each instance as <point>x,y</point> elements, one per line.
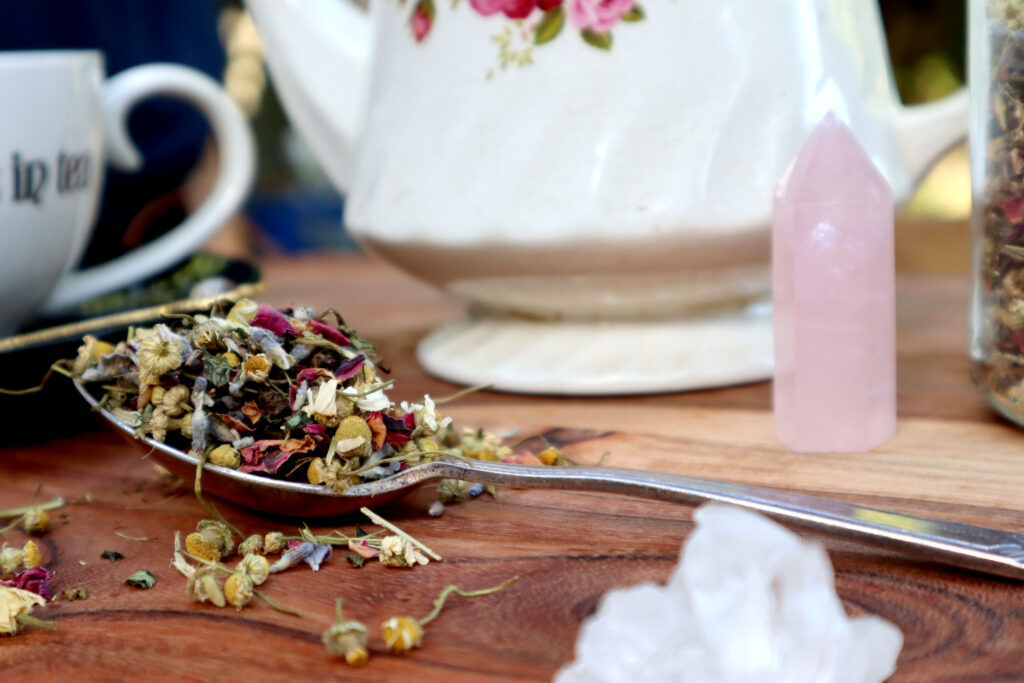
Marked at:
<point>960,545</point>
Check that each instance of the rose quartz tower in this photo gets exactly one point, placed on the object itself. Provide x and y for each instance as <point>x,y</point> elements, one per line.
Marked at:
<point>834,292</point>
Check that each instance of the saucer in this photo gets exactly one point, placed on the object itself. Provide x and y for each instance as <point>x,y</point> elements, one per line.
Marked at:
<point>580,358</point>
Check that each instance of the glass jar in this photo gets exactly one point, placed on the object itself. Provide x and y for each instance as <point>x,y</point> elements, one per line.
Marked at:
<point>996,58</point>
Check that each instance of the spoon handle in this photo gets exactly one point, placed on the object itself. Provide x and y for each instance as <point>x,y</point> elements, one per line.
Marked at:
<point>960,545</point>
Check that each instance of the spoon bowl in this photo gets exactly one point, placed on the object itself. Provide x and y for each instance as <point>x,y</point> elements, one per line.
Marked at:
<point>961,545</point>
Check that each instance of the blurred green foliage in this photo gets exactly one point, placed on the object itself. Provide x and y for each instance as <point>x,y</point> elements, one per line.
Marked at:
<point>927,42</point>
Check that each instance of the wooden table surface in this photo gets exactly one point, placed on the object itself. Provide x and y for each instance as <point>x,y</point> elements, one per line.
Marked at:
<point>951,458</point>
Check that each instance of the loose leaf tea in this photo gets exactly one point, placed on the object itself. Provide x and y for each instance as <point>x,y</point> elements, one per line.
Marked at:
<point>998,346</point>
<point>289,394</point>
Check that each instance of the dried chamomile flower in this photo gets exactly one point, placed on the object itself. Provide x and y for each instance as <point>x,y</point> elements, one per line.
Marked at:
<point>274,543</point>
<point>157,425</point>
<point>159,353</point>
<point>238,589</point>
<point>322,404</point>
<point>89,353</point>
<point>452,490</point>
<point>256,567</point>
<point>206,335</point>
<point>202,585</point>
<point>225,456</point>
<point>211,540</point>
<point>401,634</point>
<point>36,521</point>
<point>257,368</point>
<point>32,556</point>
<point>396,551</point>
<point>15,605</point>
<point>251,545</point>
<point>11,560</point>
<point>346,638</point>
<point>353,436</point>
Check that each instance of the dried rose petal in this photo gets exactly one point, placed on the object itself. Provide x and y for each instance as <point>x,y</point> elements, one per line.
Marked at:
<point>329,333</point>
<point>36,580</point>
<point>271,319</point>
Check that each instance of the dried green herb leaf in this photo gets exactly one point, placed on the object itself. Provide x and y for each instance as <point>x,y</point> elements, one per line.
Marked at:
<point>216,370</point>
<point>141,579</point>
<point>356,561</point>
<point>111,555</point>
<point>360,532</point>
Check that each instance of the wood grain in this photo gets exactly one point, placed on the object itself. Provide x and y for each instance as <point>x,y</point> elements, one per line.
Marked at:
<point>952,458</point>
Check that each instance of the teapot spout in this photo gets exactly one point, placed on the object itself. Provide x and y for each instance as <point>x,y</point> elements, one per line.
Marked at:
<point>925,131</point>
<point>318,52</point>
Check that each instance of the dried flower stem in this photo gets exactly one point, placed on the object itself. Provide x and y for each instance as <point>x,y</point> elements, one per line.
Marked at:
<point>210,509</point>
<point>18,512</point>
<point>131,538</point>
<point>377,519</point>
<point>29,620</point>
<point>459,394</point>
<point>448,590</point>
<point>60,367</point>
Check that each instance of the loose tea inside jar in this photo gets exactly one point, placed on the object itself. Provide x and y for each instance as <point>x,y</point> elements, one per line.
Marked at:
<point>997,178</point>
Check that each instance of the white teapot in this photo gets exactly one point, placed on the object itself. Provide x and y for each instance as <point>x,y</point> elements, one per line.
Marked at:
<point>593,176</point>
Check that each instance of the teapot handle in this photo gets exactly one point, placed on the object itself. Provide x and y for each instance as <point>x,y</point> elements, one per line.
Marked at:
<point>925,131</point>
<point>318,53</point>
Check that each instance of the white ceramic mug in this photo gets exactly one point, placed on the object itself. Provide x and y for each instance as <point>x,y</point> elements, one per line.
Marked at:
<point>60,123</point>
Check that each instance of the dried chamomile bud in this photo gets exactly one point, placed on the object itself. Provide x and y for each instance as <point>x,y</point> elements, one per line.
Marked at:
<point>551,457</point>
<point>159,353</point>
<point>175,400</point>
<point>11,560</point>
<point>256,567</point>
<point>225,456</point>
<point>452,490</point>
<point>15,605</point>
<point>211,540</point>
<point>186,425</point>
<point>232,359</point>
<point>36,521</point>
<point>238,589</point>
<point>32,556</point>
<point>203,585</point>
<point>402,634</point>
<point>157,425</point>
<point>346,638</point>
<point>257,367</point>
<point>251,545</point>
<point>274,543</point>
<point>396,551</point>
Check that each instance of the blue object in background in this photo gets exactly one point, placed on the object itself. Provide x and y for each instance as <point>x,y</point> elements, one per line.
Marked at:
<point>170,134</point>
<point>299,219</point>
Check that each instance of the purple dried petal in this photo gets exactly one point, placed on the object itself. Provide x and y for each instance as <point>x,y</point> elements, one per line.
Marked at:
<point>320,553</point>
<point>395,425</point>
<point>292,557</point>
<point>350,368</point>
<point>271,319</point>
<point>306,552</point>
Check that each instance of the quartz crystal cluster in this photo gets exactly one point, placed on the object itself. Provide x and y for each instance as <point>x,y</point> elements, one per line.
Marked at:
<point>749,602</point>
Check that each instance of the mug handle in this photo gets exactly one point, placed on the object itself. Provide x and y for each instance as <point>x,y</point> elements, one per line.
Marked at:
<point>234,138</point>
